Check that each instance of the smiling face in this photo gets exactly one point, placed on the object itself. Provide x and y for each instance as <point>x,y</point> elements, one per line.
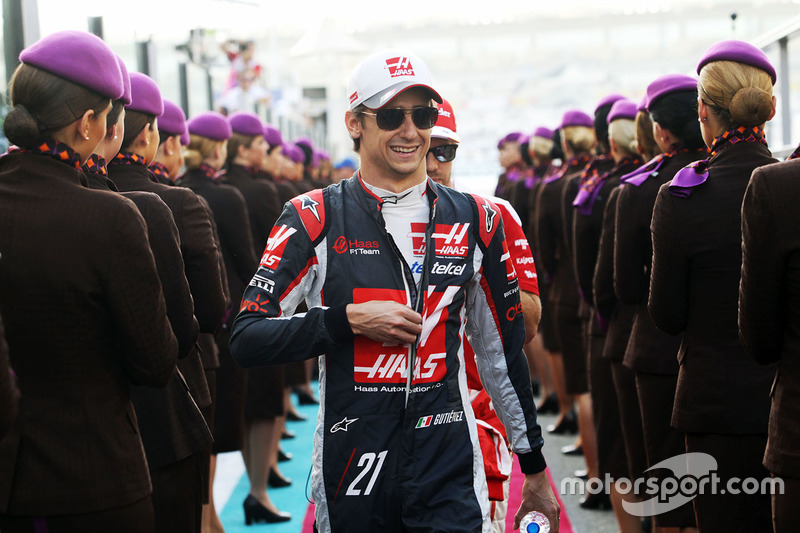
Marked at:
<point>393,160</point>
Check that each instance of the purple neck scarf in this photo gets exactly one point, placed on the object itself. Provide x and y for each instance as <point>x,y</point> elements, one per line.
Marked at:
<point>696,173</point>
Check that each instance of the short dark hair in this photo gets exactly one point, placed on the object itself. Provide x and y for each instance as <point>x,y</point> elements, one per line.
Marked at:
<point>135,121</point>
<point>43,103</point>
<point>677,113</point>
<point>113,116</point>
<point>601,126</point>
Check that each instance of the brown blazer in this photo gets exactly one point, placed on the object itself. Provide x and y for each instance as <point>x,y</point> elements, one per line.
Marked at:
<point>85,318</point>
<point>233,224</point>
<point>262,199</point>
<point>619,316</point>
<point>769,301</point>
<point>650,349</point>
<point>552,241</point>
<point>694,289</point>
<point>9,395</point>
<point>200,260</point>
<point>170,423</point>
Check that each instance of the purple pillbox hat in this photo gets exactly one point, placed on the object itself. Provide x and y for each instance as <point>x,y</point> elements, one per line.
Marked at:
<point>295,153</point>
<point>305,141</point>
<point>738,51</point>
<point>79,57</point>
<point>625,109</point>
<point>669,83</point>
<point>273,136</point>
<point>608,100</point>
<point>545,133</point>
<point>246,124</point>
<point>513,137</point>
<point>145,95</point>
<point>173,122</point>
<point>126,82</point>
<point>324,155</point>
<point>575,117</point>
<point>212,125</point>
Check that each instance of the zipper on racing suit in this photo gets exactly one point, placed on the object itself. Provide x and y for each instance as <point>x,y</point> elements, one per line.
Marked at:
<point>416,297</point>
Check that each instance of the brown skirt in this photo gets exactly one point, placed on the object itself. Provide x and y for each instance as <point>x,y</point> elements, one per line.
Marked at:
<point>230,398</point>
<point>570,330</point>
<point>611,456</point>
<point>656,393</point>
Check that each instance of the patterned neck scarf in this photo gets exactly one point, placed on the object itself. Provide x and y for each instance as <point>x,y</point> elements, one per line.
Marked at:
<point>572,164</point>
<point>794,154</point>
<point>128,158</point>
<point>696,173</point>
<point>590,188</point>
<point>96,165</point>
<point>514,172</point>
<point>160,172</point>
<point>56,150</point>
<point>209,172</point>
<point>252,170</point>
<point>96,172</point>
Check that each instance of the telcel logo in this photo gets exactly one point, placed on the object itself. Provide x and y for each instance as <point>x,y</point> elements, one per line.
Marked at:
<point>448,269</point>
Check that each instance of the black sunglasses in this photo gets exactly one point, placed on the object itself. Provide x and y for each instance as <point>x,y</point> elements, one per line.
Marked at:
<point>392,118</point>
<point>444,153</point>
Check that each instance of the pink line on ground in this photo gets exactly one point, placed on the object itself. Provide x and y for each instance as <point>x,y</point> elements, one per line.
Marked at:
<point>308,521</point>
<point>515,496</point>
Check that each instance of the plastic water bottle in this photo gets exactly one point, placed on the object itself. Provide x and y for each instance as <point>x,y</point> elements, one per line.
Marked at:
<point>534,522</point>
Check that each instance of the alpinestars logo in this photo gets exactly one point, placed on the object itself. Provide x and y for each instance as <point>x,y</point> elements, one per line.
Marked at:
<point>490,214</point>
<point>310,204</point>
<point>399,66</point>
<point>451,241</point>
<point>275,246</point>
<point>342,425</point>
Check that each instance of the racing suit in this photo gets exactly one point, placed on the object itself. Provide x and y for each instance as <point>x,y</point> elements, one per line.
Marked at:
<point>395,450</point>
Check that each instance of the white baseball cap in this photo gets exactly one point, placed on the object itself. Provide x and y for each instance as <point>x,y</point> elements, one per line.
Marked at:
<point>385,74</point>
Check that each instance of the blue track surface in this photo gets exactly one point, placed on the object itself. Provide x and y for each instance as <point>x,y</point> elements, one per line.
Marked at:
<point>291,499</point>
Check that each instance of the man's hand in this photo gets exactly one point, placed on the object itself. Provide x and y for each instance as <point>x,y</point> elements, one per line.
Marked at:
<point>538,496</point>
<point>385,321</point>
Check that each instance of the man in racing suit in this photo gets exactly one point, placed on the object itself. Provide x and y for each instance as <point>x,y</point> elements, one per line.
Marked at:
<point>396,447</point>
<point>445,140</point>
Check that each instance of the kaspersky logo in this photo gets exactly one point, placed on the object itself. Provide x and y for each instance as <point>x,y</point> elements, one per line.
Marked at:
<point>399,66</point>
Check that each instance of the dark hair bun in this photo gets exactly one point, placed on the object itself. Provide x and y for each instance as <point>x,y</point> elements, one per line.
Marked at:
<point>21,127</point>
<point>750,106</point>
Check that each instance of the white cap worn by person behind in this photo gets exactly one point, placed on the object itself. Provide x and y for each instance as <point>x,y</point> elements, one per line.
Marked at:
<point>445,127</point>
<point>385,74</point>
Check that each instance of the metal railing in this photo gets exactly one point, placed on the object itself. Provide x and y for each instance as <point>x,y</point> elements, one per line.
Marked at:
<point>780,37</point>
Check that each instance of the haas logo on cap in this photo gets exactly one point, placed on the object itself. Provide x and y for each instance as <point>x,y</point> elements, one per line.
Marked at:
<point>399,66</point>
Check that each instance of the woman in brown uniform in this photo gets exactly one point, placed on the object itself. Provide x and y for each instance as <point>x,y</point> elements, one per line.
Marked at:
<point>722,396</point>
<point>651,353</point>
<point>82,304</point>
<point>768,318</point>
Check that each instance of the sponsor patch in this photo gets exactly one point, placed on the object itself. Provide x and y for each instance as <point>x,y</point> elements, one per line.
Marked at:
<point>440,419</point>
<point>262,283</point>
<point>400,66</point>
<point>276,244</point>
<point>451,241</point>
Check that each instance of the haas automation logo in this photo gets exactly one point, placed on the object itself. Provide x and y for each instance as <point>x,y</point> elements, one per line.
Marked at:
<point>400,66</point>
